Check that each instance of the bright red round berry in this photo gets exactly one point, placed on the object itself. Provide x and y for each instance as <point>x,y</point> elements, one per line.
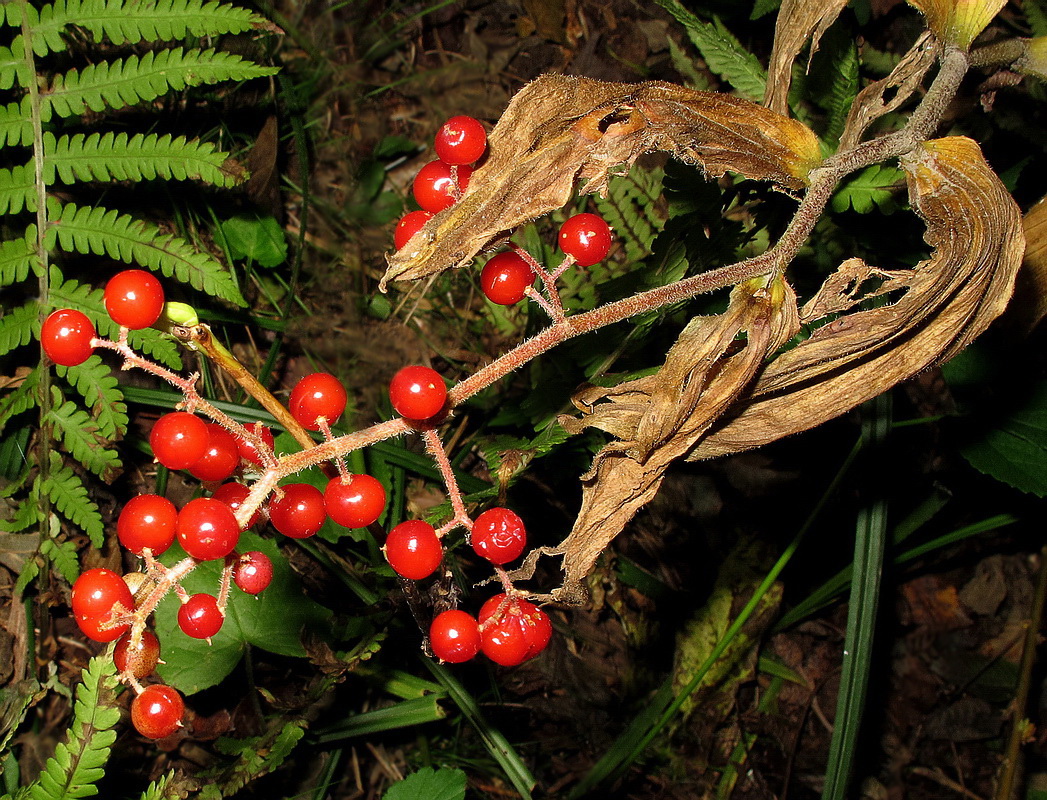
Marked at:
<point>207,529</point>
<point>355,504</point>
<point>505,278</point>
<point>138,661</point>
<point>300,512</point>
<point>413,549</point>
<point>417,393</point>
<point>499,535</point>
<point>503,640</point>
<point>221,456</point>
<point>178,439</point>
<point>434,188</point>
<point>248,452</point>
<point>200,617</point>
<point>101,629</point>
<point>233,495</point>
<point>96,591</point>
<point>147,520</point>
<point>454,636</point>
<point>253,572</point>
<point>157,711</point>
<point>460,140</point>
<point>408,226</point>
<point>535,624</point>
<point>317,395</point>
<point>134,299</point>
<point>586,237</point>
<point>66,337</point>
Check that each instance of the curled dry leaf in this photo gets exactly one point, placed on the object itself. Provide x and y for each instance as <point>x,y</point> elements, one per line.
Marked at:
<point>1030,299</point>
<point>658,418</point>
<point>958,22</point>
<point>560,129</point>
<point>974,228</point>
<point>798,21</point>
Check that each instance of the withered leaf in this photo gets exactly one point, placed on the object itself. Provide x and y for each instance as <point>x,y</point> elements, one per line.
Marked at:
<point>1030,299</point>
<point>560,129</point>
<point>658,418</point>
<point>798,21</point>
<point>974,228</point>
<point>958,21</point>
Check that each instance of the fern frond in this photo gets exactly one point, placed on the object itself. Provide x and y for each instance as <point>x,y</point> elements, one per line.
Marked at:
<point>19,399</point>
<point>63,557</point>
<point>69,495</point>
<point>17,189</point>
<point>95,382</point>
<point>109,233</point>
<point>71,294</point>
<point>157,790</point>
<point>81,436</point>
<point>124,82</point>
<point>129,22</point>
<point>843,90</point>
<point>118,157</point>
<point>13,69</point>
<point>79,762</point>
<point>26,515</point>
<point>19,326</point>
<point>630,210</point>
<point>16,126</point>
<point>16,260</point>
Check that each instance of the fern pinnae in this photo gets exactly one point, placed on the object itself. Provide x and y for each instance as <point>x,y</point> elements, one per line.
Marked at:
<point>77,763</point>
<point>82,437</point>
<point>16,129</point>
<point>19,326</point>
<point>95,382</point>
<point>12,67</point>
<point>20,399</point>
<point>124,82</point>
<point>16,261</point>
<point>119,157</point>
<point>17,189</point>
<point>69,495</point>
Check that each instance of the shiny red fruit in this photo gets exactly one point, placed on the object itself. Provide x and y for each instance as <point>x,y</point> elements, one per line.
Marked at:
<point>253,572</point>
<point>315,396</point>
<point>504,641</point>
<point>505,278</point>
<point>97,590</point>
<point>221,456</point>
<point>534,622</point>
<point>66,337</point>
<point>248,452</point>
<point>417,393</point>
<point>134,298</point>
<point>147,520</point>
<point>157,711</point>
<point>434,188</point>
<point>233,495</point>
<point>100,629</point>
<point>586,237</point>
<point>207,529</point>
<point>454,636</point>
<point>178,439</point>
<point>300,512</point>
<point>499,535</point>
<point>413,549</point>
<point>408,226</point>
<point>460,140</point>
<point>138,661</point>
<point>355,504</point>
<point>200,617</point>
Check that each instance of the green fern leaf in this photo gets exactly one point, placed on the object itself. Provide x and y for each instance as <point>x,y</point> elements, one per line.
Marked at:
<point>82,437</point>
<point>723,53</point>
<point>19,399</point>
<point>13,69</point>
<point>874,187</point>
<point>17,189</point>
<point>630,209</point>
<point>104,232</point>
<point>844,69</point>
<point>69,495</point>
<point>101,391</point>
<point>117,157</point>
<point>78,763</point>
<point>19,326</point>
<point>63,556</point>
<point>123,82</point>
<point>16,260</point>
<point>16,126</point>
<point>26,515</point>
<point>157,790</point>
<point>129,22</point>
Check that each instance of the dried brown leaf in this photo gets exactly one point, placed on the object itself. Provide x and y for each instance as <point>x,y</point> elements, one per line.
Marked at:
<point>1030,299</point>
<point>974,228</point>
<point>560,129</point>
<point>798,21</point>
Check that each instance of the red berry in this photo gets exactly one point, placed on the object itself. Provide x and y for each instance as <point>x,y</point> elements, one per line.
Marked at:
<point>586,237</point>
<point>138,661</point>
<point>248,452</point>
<point>413,549</point>
<point>233,495</point>
<point>300,512</point>
<point>454,636</point>
<point>253,572</point>
<point>134,299</point>
<point>178,439</point>
<point>535,624</point>
<point>66,337</point>
<point>434,188</point>
<point>355,504</point>
<point>100,629</point>
<point>417,393</point>
<point>200,617</point>
<point>317,395</point>
<point>505,278</point>
<point>157,711</point>
<point>503,640</point>
<point>221,456</point>
<point>96,591</point>
<point>147,520</point>
<point>409,226</point>
<point>207,529</point>
<point>460,140</point>
<point>499,535</point>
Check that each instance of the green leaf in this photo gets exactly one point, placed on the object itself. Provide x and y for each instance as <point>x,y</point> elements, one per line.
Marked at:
<point>82,437</point>
<point>273,621</point>
<point>874,187</point>
<point>254,238</point>
<point>69,495</point>
<point>429,784</point>
<point>17,189</point>
<point>64,557</point>
<point>95,382</point>
<point>16,260</point>
<point>16,125</point>
<point>19,326</point>
<point>13,69</point>
<point>157,790</point>
<point>21,398</point>
<point>762,8</point>
<point>842,56</point>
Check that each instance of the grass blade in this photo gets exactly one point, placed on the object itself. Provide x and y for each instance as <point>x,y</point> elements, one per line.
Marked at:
<point>405,714</point>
